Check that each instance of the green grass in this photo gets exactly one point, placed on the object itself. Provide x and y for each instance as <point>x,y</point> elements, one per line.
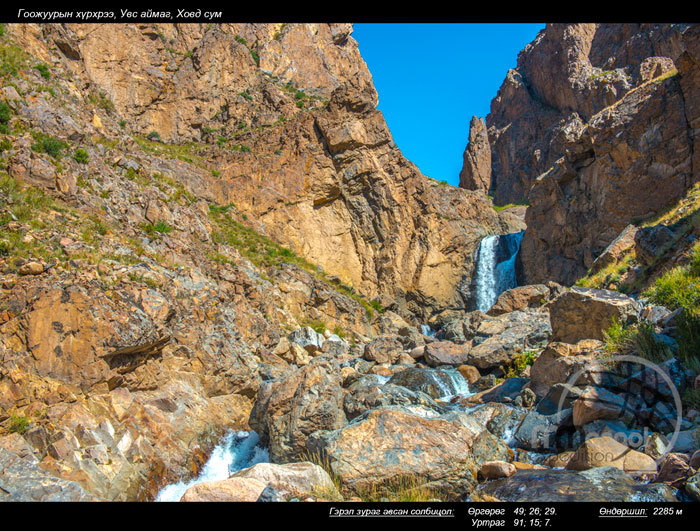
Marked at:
<point>519,363</point>
<point>81,156</point>
<point>48,144</point>
<point>317,325</point>
<point>154,230</point>
<point>12,60</point>
<point>638,340</point>
<point>43,70</point>
<point>262,251</point>
<point>101,99</point>
<point>499,208</point>
<point>18,424</point>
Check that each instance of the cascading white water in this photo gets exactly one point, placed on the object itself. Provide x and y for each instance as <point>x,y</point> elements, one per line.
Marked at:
<point>236,451</point>
<point>495,268</point>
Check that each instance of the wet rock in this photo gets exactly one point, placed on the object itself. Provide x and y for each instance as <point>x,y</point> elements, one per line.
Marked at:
<point>674,469</point>
<point>469,373</point>
<point>605,484</point>
<point>692,486</point>
<point>506,391</point>
<point>361,399</point>
<point>496,469</point>
<point>436,383</point>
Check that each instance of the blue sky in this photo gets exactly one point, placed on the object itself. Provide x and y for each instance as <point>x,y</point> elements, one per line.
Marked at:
<point>432,78</point>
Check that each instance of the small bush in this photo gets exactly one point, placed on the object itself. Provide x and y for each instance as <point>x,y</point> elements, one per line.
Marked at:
<point>245,94</point>
<point>122,123</point>
<point>216,173</point>
<point>80,155</point>
<point>153,135</point>
<point>48,144</point>
<point>101,99</point>
<point>18,424</point>
<point>43,70</point>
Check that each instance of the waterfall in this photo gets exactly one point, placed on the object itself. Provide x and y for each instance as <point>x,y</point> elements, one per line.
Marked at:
<point>236,451</point>
<point>495,268</point>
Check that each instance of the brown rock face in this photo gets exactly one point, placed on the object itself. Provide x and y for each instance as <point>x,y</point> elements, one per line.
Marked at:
<point>476,171</point>
<point>319,173</point>
<point>594,129</point>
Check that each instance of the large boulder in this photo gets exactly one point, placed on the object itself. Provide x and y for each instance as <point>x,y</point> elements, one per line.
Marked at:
<point>520,298</point>
<point>286,411</point>
<point>446,353</point>
<point>308,339</point>
<point>560,361</point>
<point>606,451</point>
<point>234,489</point>
<point>295,478</point>
<point>391,444</point>
<point>499,339</point>
<point>583,313</point>
<point>386,348</point>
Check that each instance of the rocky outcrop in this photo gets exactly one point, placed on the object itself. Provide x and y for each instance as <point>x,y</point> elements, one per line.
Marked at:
<point>594,128</point>
<point>287,116</point>
<point>476,170</point>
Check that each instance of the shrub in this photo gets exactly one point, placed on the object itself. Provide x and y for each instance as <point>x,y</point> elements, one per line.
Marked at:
<point>215,173</point>
<point>101,99</point>
<point>80,155</point>
<point>18,424</point>
<point>48,144</point>
<point>153,135</point>
<point>43,70</point>
<point>245,95</point>
<point>5,114</point>
<point>122,123</point>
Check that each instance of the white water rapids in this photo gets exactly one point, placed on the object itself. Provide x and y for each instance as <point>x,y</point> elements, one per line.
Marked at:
<point>236,451</point>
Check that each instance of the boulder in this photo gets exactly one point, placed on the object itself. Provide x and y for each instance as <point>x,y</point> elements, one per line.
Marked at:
<point>560,361</point>
<point>234,489</point>
<point>286,411</point>
<point>296,478</point>
<point>520,298</point>
<point>497,469</point>
<point>384,349</point>
<point>307,338</point>
<point>606,451</point>
<point>499,339</point>
<point>389,444</point>
<point>446,353</point>
<point>362,398</point>
<point>583,313</point>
